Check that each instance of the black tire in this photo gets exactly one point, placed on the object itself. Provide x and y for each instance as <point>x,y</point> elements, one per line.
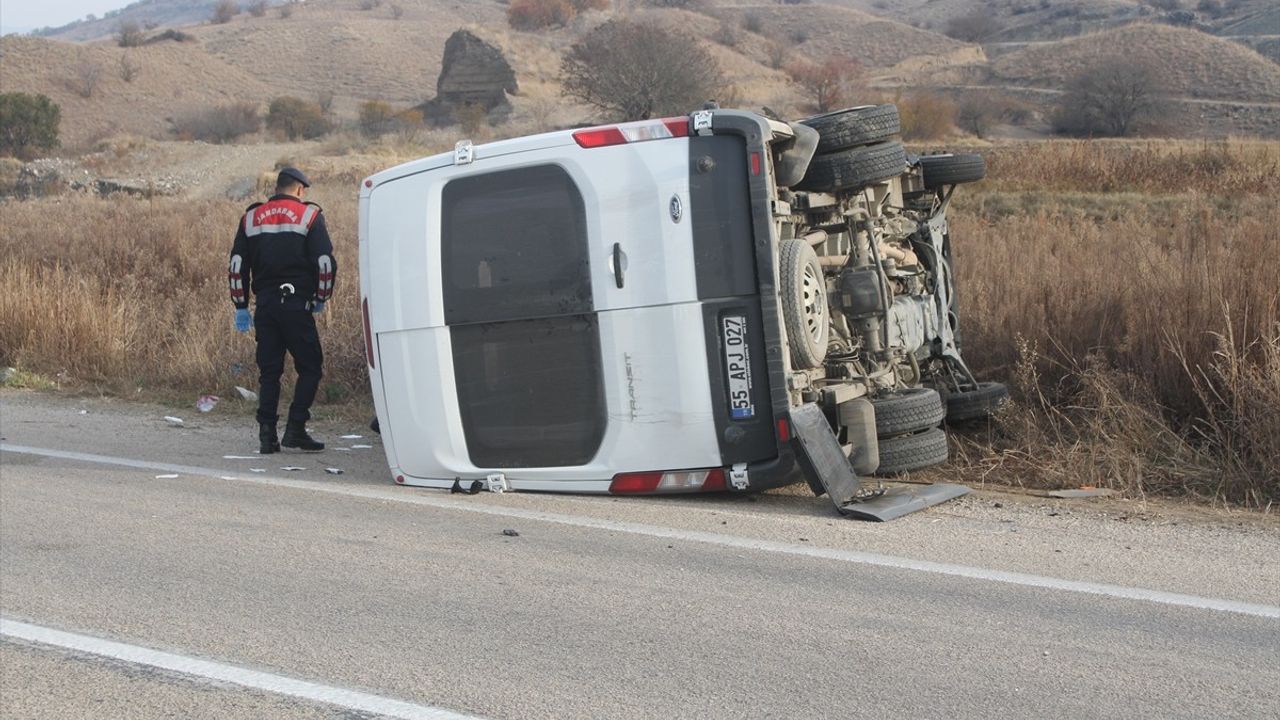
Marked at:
<point>976,404</point>
<point>907,411</point>
<point>855,126</point>
<point>804,303</point>
<point>952,169</point>
<point>912,452</point>
<point>853,169</point>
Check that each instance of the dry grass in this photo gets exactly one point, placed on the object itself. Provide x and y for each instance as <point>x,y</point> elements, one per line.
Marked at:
<point>1129,292</point>
<point>130,294</point>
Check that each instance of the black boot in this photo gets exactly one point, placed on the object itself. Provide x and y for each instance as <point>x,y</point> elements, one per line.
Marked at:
<point>295,436</point>
<point>267,441</point>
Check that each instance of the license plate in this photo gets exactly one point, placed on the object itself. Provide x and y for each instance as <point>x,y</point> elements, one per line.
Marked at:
<point>738,367</point>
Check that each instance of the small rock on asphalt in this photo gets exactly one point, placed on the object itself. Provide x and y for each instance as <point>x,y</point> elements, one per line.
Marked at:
<point>510,533</point>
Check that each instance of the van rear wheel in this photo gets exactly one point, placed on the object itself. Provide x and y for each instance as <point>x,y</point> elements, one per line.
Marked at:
<point>857,168</point>
<point>804,303</point>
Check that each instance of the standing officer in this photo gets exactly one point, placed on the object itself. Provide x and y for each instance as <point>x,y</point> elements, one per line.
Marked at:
<point>282,251</point>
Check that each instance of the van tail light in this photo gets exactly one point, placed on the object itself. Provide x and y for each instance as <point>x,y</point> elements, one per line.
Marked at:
<point>665,482</point>
<point>368,334</point>
<point>784,430</point>
<point>641,131</point>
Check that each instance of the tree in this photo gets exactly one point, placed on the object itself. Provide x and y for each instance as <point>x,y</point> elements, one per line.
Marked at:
<point>827,84</point>
<point>633,70</point>
<point>1113,97</point>
<point>85,76</point>
<point>28,124</point>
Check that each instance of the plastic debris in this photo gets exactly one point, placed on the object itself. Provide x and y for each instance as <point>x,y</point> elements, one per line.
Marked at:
<point>333,471</point>
<point>205,403</point>
<point>292,468</point>
<point>351,437</point>
<point>246,393</point>
<point>239,457</point>
<point>166,477</point>
<point>174,421</point>
<point>361,447</point>
<point>258,470</point>
<point>84,412</point>
<point>342,449</point>
<point>6,373</point>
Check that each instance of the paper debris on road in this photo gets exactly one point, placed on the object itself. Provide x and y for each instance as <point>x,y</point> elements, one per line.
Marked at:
<point>352,437</point>
<point>246,393</point>
<point>257,469</point>
<point>205,403</point>
<point>239,457</point>
<point>361,447</point>
<point>333,471</point>
<point>292,468</point>
<point>174,421</point>
<point>166,477</point>
<point>84,412</point>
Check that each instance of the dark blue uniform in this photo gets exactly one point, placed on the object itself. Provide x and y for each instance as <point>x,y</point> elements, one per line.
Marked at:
<point>283,253</point>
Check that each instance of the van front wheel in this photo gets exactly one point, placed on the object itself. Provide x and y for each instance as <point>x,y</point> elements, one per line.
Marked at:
<point>804,303</point>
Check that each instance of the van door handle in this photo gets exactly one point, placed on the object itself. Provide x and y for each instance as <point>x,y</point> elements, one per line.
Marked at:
<point>617,265</point>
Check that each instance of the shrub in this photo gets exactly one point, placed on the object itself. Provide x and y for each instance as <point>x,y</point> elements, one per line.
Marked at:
<point>726,34</point>
<point>977,26</point>
<point>926,116</point>
<point>636,70</point>
<point>129,68</point>
<point>751,22</point>
<point>171,34</point>
<point>224,11</point>
<point>258,9</point>
<point>397,10</point>
<point>585,5</point>
<point>219,125</point>
<point>28,124</point>
<point>296,118</point>
<point>376,118</point>
<point>369,4</point>
<point>539,14</point>
<point>85,76</point>
<point>130,34</point>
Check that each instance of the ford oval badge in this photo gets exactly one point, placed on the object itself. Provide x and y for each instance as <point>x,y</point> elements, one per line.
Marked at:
<point>677,210</point>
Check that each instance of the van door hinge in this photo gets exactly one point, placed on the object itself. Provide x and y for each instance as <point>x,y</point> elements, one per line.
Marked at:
<point>463,153</point>
<point>497,483</point>
<point>738,477</point>
<point>702,122</point>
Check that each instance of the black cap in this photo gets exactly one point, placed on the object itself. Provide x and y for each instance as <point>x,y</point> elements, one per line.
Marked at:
<point>292,173</point>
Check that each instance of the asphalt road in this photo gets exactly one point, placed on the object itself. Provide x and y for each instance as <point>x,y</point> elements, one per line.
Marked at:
<point>213,594</point>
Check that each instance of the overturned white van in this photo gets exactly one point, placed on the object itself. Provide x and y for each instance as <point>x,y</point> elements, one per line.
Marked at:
<point>666,306</point>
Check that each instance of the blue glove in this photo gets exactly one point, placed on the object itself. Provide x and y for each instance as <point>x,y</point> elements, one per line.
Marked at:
<point>243,320</point>
<point>317,306</point>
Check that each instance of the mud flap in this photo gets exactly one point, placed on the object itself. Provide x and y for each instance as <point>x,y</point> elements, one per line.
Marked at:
<point>827,470</point>
<point>902,500</point>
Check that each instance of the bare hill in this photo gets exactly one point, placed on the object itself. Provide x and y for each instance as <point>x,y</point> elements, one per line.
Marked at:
<point>819,30</point>
<point>171,79</point>
<point>145,13</point>
<point>1197,65</point>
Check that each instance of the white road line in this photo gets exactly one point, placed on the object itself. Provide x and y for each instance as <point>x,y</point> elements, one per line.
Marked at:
<point>195,667</point>
<point>406,495</point>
